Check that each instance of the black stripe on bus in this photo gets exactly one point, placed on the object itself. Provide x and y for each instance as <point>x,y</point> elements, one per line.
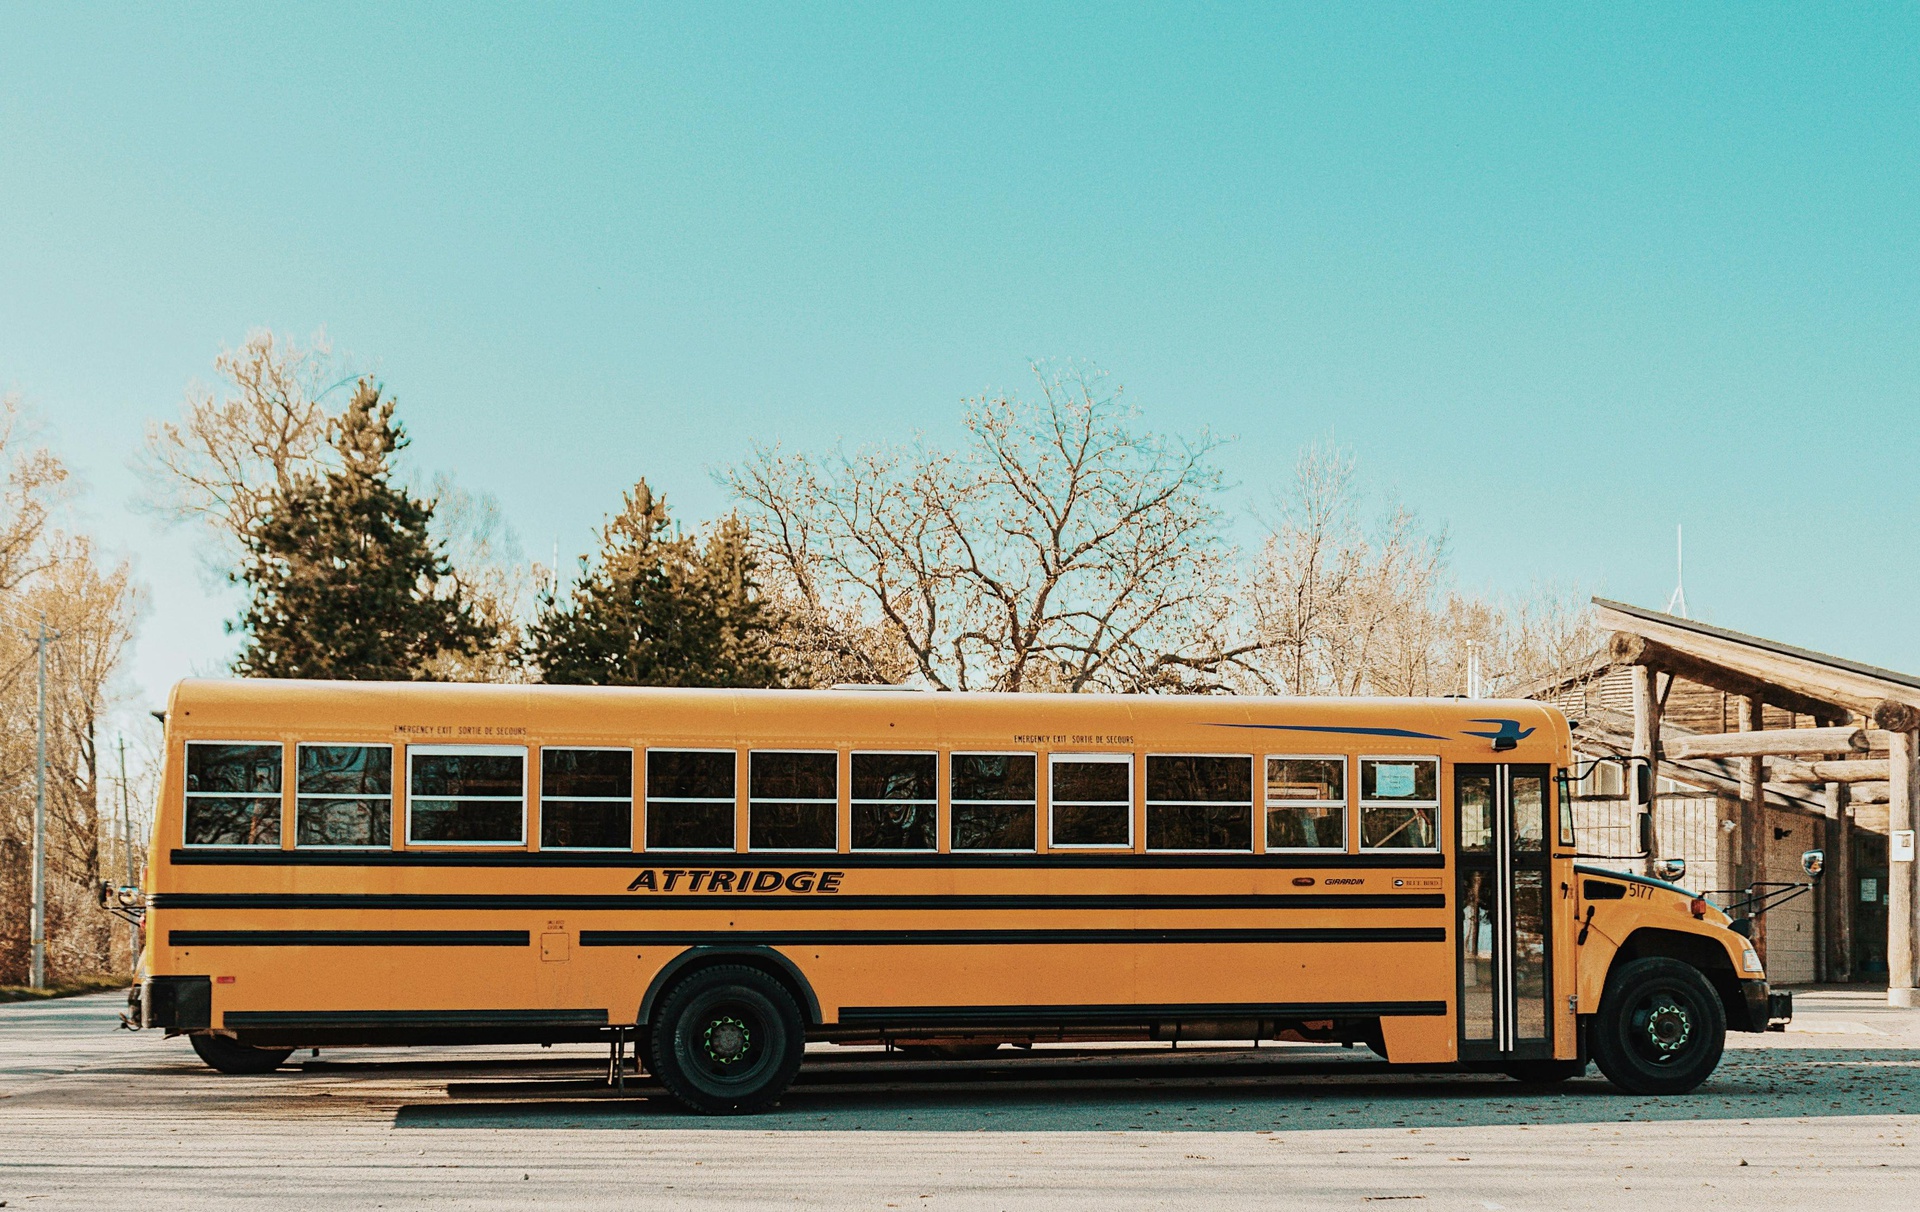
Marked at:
<point>257,1019</point>
<point>348,938</point>
<point>1034,1016</point>
<point>652,901</point>
<point>994,938</point>
<point>244,856</point>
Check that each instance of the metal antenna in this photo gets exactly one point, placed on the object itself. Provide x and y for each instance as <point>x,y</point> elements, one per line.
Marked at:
<point>1677,604</point>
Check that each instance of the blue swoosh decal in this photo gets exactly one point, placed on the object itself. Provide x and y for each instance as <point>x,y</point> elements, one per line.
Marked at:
<point>1509,730</point>
<point>1395,732</point>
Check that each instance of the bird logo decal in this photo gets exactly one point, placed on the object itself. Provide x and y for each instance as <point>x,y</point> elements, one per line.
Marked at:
<point>1506,736</point>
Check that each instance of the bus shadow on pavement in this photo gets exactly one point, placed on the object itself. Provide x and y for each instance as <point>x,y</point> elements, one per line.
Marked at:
<point>1760,1084</point>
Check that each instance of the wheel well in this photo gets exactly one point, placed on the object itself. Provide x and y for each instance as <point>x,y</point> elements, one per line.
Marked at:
<point>1702,953</point>
<point>766,959</point>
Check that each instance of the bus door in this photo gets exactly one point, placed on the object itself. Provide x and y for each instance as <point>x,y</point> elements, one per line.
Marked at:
<point>1503,878</point>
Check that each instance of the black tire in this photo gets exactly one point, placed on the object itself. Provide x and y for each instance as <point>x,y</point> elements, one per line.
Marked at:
<point>727,1040</point>
<point>1544,1072</point>
<point>1661,1027</point>
<point>231,1056</point>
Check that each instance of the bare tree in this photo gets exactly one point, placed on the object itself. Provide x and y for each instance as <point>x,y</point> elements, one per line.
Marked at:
<point>1343,609</point>
<point>491,571</point>
<point>235,452</point>
<point>32,486</point>
<point>231,452</point>
<point>1061,548</point>
<point>44,573</point>
<point>1549,628</point>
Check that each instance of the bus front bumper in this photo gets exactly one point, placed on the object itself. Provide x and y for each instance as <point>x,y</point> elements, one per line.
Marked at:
<point>1766,1010</point>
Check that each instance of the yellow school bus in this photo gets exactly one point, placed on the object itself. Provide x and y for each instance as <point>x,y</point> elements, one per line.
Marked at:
<point>727,875</point>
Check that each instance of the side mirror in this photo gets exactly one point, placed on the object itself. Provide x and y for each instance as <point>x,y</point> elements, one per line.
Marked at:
<point>1813,862</point>
<point>1670,869</point>
<point>1646,833</point>
<point>1742,926</point>
<point>1642,784</point>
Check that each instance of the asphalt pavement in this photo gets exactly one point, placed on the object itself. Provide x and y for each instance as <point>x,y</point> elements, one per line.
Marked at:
<point>95,1117</point>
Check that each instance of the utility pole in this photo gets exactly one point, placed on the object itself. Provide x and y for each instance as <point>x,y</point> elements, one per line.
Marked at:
<point>126,814</point>
<point>38,930</point>
<point>126,851</point>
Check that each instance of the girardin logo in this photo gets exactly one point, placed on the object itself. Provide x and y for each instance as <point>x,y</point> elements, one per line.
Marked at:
<point>704,879</point>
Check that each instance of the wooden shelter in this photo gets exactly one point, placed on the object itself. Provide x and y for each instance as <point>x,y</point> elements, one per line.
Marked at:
<point>1759,751</point>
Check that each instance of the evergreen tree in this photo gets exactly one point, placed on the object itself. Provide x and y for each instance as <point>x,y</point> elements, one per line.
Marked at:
<point>658,608</point>
<point>344,579</point>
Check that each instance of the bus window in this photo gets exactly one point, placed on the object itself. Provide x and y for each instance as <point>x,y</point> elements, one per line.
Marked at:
<point>895,800</point>
<point>233,794</point>
<point>1399,803</point>
<point>992,800</point>
<point>1092,799</point>
<point>1529,811</point>
<point>1199,802</point>
<point>343,795</point>
<point>586,799</point>
<point>690,797</point>
<point>793,800</point>
<point>467,795</point>
<point>1306,803</point>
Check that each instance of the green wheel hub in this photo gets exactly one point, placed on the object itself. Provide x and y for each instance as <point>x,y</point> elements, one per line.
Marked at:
<point>1666,1027</point>
<point>727,1040</point>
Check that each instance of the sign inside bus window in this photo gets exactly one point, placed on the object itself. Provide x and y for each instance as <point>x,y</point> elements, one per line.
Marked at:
<point>1392,781</point>
<point>705,879</point>
<point>1072,738</point>
<point>458,730</point>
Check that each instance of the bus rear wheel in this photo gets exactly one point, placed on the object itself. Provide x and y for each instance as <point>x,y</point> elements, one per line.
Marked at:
<point>232,1056</point>
<point>727,1041</point>
<point>1660,1029</point>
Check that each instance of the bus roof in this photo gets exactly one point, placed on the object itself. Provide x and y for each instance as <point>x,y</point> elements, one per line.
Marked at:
<point>425,712</point>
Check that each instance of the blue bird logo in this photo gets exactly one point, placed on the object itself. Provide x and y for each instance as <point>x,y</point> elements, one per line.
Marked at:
<point>1509,734</point>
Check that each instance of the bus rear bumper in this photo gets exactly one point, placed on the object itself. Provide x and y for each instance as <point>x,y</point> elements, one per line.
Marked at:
<point>177,1003</point>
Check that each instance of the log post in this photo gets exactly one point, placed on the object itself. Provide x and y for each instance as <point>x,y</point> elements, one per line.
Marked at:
<point>1646,736</point>
<point>1753,816</point>
<point>1837,891</point>
<point>1896,716</point>
<point>1900,898</point>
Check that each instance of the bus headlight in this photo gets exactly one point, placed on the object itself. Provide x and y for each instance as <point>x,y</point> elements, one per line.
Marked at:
<point>1751,961</point>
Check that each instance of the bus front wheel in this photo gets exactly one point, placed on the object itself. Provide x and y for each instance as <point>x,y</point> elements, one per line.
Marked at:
<point>232,1056</point>
<point>1660,1029</point>
<point>727,1040</point>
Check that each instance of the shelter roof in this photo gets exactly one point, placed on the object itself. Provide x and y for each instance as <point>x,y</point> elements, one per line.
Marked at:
<point>1799,679</point>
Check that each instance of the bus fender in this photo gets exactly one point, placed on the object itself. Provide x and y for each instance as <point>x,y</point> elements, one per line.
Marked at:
<point>1704,951</point>
<point>1596,962</point>
<point>765,958</point>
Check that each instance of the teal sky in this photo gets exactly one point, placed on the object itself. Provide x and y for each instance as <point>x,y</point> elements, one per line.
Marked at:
<point>1561,279</point>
